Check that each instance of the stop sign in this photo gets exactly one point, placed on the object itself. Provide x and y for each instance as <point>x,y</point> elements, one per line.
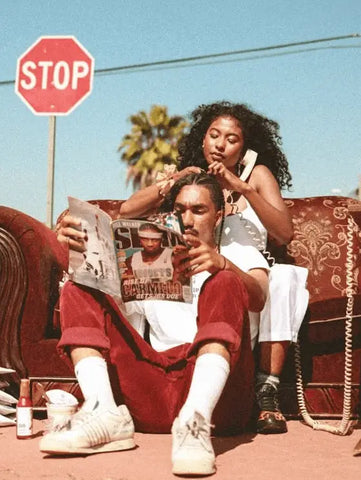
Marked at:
<point>54,75</point>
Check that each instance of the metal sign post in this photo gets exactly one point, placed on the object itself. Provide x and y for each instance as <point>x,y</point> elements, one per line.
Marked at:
<point>51,165</point>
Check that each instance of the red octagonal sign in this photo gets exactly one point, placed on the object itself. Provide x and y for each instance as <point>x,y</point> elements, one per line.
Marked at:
<point>54,75</point>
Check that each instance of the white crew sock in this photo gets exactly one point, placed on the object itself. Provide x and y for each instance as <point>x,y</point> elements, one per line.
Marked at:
<point>92,375</point>
<point>209,378</point>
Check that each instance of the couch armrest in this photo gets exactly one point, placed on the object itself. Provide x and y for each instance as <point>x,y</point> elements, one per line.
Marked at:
<point>32,263</point>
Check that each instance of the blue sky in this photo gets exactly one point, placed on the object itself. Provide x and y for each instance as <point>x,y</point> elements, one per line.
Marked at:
<point>312,91</point>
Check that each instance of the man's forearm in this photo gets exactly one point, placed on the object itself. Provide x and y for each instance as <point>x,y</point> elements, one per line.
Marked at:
<point>256,283</point>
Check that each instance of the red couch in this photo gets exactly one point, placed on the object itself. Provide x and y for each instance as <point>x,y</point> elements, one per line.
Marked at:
<point>32,262</point>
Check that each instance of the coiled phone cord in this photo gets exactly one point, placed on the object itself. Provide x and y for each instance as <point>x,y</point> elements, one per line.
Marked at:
<point>257,238</point>
<point>344,425</point>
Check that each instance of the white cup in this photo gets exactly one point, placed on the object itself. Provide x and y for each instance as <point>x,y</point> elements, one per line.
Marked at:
<point>59,415</point>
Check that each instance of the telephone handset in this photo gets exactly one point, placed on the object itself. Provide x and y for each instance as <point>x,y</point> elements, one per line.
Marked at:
<point>248,161</point>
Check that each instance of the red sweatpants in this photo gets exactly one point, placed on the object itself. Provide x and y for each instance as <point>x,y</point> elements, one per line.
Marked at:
<point>154,385</point>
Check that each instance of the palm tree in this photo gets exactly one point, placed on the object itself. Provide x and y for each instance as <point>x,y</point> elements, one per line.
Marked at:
<point>357,192</point>
<point>151,144</point>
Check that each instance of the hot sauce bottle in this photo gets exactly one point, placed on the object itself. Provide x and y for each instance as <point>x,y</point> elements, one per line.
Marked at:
<point>24,411</point>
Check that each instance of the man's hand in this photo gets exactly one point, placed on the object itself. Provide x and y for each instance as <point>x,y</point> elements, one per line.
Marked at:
<point>69,233</point>
<point>201,257</point>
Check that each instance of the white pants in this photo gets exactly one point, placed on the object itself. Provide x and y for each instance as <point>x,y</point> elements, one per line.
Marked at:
<point>285,308</point>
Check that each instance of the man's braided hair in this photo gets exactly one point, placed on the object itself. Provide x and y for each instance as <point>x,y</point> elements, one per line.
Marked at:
<point>204,180</point>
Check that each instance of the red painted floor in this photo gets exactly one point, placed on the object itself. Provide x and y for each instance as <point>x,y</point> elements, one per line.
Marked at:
<point>299,454</point>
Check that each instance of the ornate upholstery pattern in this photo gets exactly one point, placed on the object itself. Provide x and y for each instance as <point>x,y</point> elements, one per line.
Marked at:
<point>320,244</point>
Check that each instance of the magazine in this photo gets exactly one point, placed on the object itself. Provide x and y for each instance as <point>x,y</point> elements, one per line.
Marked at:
<point>136,259</point>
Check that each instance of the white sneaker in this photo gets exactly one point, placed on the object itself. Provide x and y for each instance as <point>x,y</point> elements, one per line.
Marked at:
<point>92,430</point>
<point>192,451</point>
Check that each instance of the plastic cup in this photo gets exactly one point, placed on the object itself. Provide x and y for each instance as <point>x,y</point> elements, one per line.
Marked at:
<point>59,415</point>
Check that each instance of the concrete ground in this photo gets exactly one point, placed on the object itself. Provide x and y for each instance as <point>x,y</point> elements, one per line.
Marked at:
<point>302,453</point>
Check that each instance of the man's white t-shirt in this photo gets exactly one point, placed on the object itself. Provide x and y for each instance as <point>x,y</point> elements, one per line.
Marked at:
<point>175,323</point>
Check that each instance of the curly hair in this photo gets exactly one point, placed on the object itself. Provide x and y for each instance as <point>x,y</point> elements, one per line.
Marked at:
<point>260,134</point>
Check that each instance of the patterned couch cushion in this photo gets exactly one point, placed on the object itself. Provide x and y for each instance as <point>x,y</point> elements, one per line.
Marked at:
<point>325,241</point>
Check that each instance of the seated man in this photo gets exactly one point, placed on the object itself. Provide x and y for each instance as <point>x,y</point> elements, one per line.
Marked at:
<point>198,367</point>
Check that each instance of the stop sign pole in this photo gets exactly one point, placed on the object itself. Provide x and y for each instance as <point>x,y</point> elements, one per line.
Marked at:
<point>54,75</point>
<point>51,168</point>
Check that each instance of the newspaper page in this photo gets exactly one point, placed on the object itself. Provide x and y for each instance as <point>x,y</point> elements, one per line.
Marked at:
<point>148,255</point>
<point>97,266</point>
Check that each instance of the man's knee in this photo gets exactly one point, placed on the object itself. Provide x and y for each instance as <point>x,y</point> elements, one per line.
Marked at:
<point>219,348</point>
<point>224,288</point>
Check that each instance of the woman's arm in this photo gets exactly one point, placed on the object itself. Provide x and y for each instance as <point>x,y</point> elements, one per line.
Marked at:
<point>144,202</point>
<point>264,195</point>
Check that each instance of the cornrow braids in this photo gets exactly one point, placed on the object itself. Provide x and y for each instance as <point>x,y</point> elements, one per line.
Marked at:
<point>202,179</point>
<point>221,225</point>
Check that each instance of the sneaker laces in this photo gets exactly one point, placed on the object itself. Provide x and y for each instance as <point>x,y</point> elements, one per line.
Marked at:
<point>196,429</point>
<point>267,398</point>
<point>199,429</point>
